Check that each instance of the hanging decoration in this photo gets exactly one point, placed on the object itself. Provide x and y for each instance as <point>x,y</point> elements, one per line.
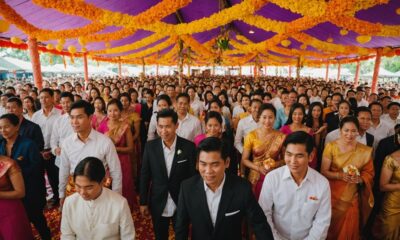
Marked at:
<point>4,26</point>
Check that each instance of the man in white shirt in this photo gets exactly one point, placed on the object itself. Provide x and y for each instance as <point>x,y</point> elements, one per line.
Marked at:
<point>95,212</point>
<point>46,117</point>
<point>379,129</point>
<point>361,102</point>
<point>247,124</point>
<point>86,142</point>
<point>189,125</point>
<point>195,104</point>
<point>295,198</point>
<point>163,102</point>
<point>392,117</point>
<point>62,128</point>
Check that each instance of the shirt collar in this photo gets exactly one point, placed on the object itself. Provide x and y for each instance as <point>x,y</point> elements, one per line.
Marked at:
<point>172,148</point>
<point>287,175</point>
<point>91,136</point>
<point>219,188</point>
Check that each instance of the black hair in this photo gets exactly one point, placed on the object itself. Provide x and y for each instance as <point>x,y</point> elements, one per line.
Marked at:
<point>168,113</point>
<point>255,100</point>
<point>300,137</point>
<point>166,98</point>
<point>338,94</point>
<point>67,95</point>
<point>266,106</point>
<point>87,107</point>
<point>102,102</point>
<point>96,90</point>
<point>47,90</point>
<point>363,109</point>
<point>292,109</point>
<point>15,100</point>
<point>184,95</point>
<point>309,119</point>
<point>375,104</point>
<point>32,101</point>
<point>213,114</point>
<point>92,168</point>
<point>213,144</point>
<point>393,104</point>
<point>304,95</point>
<point>216,101</point>
<point>125,95</point>
<point>150,92</point>
<point>115,102</point>
<point>349,119</point>
<point>11,117</point>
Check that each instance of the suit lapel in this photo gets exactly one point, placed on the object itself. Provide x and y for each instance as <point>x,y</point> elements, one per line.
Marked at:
<point>176,156</point>
<point>227,193</point>
<point>201,195</point>
<point>160,155</point>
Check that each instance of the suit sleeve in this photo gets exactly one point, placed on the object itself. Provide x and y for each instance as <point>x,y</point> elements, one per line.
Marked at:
<point>255,216</point>
<point>145,175</point>
<point>182,218</point>
<point>193,159</point>
<point>35,159</point>
<point>38,137</point>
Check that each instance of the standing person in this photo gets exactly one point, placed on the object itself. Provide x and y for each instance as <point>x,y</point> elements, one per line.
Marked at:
<point>347,164</point>
<point>295,198</point>
<point>189,126</point>
<point>146,114</point>
<point>62,128</point>
<point>29,107</point>
<point>215,203</point>
<point>45,118</point>
<point>95,212</point>
<point>167,161</point>
<point>99,115</point>
<point>283,113</point>
<point>265,145</point>
<point>13,221</point>
<point>26,154</point>
<point>163,102</point>
<point>333,118</point>
<point>392,117</point>
<point>120,134</point>
<point>379,129</point>
<point>83,143</point>
<point>315,121</point>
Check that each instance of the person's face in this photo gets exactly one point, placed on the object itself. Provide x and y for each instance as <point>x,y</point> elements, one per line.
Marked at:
<point>359,96</point>
<point>297,159</point>
<point>66,104</point>
<point>125,102</point>
<point>45,99</point>
<point>266,99</point>
<point>182,105</point>
<point>245,102</point>
<point>292,99</point>
<point>162,105</point>
<point>214,107</point>
<point>28,104</point>
<point>372,98</point>
<point>68,88</point>
<point>22,94</point>
<point>350,95</point>
<point>213,127</point>
<point>171,92</point>
<point>13,107</point>
<point>329,102</point>
<point>284,98</point>
<point>80,122</point>
<point>385,102</point>
<point>254,109</point>
<point>134,97</point>
<point>191,93</point>
<point>301,90</point>
<point>166,129</point>
<point>267,119</point>
<point>106,91</point>
<point>364,118</point>
<point>335,100</point>
<point>93,94</point>
<point>349,132</point>
<point>113,112</point>
<point>209,96</point>
<point>115,93</point>
<point>316,112</point>
<point>303,101</point>
<point>394,112</point>
<point>376,111</point>
<point>7,130</point>
<point>88,190</point>
<point>298,116</point>
<point>78,88</point>
<point>222,98</point>
<point>3,100</point>
<point>98,105</point>
<point>149,98</point>
<point>344,110</point>
<point>212,167</point>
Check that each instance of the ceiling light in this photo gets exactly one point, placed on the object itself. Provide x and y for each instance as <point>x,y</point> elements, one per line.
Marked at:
<point>251,32</point>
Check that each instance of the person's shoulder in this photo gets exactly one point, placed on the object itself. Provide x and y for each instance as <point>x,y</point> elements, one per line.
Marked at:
<point>184,141</point>
<point>363,147</point>
<point>318,178</point>
<point>71,200</point>
<point>114,197</point>
<point>189,183</point>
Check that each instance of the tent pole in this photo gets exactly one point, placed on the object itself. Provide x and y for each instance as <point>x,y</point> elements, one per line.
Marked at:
<point>35,60</point>
<point>376,70</point>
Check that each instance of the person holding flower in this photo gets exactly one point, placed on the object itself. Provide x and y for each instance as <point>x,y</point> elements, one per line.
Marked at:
<point>349,168</point>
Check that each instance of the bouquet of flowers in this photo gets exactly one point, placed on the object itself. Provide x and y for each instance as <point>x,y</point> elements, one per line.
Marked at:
<point>269,163</point>
<point>351,170</point>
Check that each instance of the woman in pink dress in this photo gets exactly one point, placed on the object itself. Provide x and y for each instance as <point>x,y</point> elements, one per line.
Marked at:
<point>120,133</point>
<point>295,122</point>
<point>14,222</point>
<point>99,115</point>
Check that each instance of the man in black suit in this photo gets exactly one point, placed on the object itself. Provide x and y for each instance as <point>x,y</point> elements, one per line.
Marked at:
<point>216,203</point>
<point>167,161</point>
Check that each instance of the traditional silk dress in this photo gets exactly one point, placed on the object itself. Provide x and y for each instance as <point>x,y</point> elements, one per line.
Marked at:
<point>117,135</point>
<point>131,118</point>
<point>351,203</point>
<point>262,149</point>
<point>388,221</point>
<point>14,223</point>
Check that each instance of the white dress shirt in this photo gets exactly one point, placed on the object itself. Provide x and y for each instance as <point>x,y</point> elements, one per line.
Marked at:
<point>97,145</point>
<point>315,99</point>
<point>296,211</point>
<point>276,101</point>
<point>381,131</point>
<point>238,109</point>
<point>3,110</point>
<point>197,106</point>
<point>61,130</point>
<point>170,206</point>
<point>189,127</point>
<point>390,122</point>
<point>213,200</point>
<point>46,123</point>
<point>152,132</point>
<point>106,217</point>
<point>362,103</point>
<point>245,126</point>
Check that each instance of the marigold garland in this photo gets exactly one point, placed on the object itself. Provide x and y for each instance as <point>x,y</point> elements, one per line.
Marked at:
<point>154,49</point>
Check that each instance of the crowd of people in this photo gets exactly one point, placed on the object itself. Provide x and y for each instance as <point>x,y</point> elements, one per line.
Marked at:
<point>221,157</point>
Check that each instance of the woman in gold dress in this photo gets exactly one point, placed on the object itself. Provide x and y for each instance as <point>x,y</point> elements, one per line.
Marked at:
<point>264,144</point>
<point>348,166</point>
<point>388,221</point>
